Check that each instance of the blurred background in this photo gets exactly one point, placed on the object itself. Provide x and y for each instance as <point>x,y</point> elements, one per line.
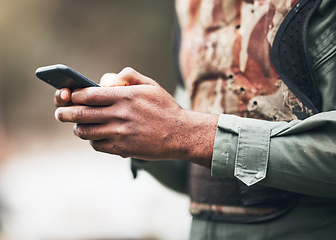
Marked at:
<point>53,186</point>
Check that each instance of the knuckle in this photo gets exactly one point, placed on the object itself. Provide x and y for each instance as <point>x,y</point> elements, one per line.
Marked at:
<point>127,71</point>
<point>77,114</point>
<point>98,112</point>
<point>121,114</point>
<point>122,131</point>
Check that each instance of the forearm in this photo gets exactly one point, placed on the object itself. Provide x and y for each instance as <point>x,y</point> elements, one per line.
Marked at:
<point>300,157</point>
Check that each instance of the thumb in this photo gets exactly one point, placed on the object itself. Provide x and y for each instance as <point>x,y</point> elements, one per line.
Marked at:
<point>108,80</point>
<point>128,76</point>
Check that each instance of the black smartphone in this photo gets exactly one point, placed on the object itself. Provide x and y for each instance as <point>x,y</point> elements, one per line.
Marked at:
<point>62,76</point>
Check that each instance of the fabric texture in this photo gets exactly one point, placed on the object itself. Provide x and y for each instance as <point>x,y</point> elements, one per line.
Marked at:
<point>311,219</point>
<point>300,153</point>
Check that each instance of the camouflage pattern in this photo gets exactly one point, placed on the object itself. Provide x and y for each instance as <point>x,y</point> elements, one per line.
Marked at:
<point>225,61</point>
<point>225,57</point>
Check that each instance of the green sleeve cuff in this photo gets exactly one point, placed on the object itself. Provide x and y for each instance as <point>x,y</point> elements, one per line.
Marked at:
<point>241,148</point>
<point>225,145</point>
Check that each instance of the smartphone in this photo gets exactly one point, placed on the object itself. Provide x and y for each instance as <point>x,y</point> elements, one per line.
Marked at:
<point>62,76</point>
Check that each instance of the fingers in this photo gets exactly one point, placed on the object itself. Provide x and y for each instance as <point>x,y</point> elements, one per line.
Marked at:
<point>108,146</point>
<point>101,139</point>
<point>91,131</point>
<point>102,96</point>
<point>103,145</point>
<point>118,91</point>
<point>115,131</point>
<point>82,114</point>
<point>62,97</point>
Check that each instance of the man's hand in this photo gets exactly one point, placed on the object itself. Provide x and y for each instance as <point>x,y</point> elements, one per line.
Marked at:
<point>136,117</point>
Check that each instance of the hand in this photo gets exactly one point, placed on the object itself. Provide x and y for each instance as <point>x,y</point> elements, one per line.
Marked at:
<point>136,117</point>
<point>62,96</point>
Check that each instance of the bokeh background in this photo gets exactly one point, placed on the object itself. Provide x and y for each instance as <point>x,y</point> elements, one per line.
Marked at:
<point>53,186</point>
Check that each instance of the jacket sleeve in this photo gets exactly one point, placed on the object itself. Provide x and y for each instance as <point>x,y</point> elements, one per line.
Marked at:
<point>298,156</point>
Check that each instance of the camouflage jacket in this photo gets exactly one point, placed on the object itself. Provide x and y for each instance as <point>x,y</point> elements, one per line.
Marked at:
<point>278,132</point>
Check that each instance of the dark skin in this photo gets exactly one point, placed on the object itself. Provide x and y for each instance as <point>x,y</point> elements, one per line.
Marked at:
<point>133,116</point>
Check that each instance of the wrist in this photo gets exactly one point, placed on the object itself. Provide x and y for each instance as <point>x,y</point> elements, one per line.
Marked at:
<point>199,131</point>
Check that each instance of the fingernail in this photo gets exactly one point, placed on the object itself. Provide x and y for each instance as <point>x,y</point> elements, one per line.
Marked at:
<point>64,95</point>
<point>57,114</point>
